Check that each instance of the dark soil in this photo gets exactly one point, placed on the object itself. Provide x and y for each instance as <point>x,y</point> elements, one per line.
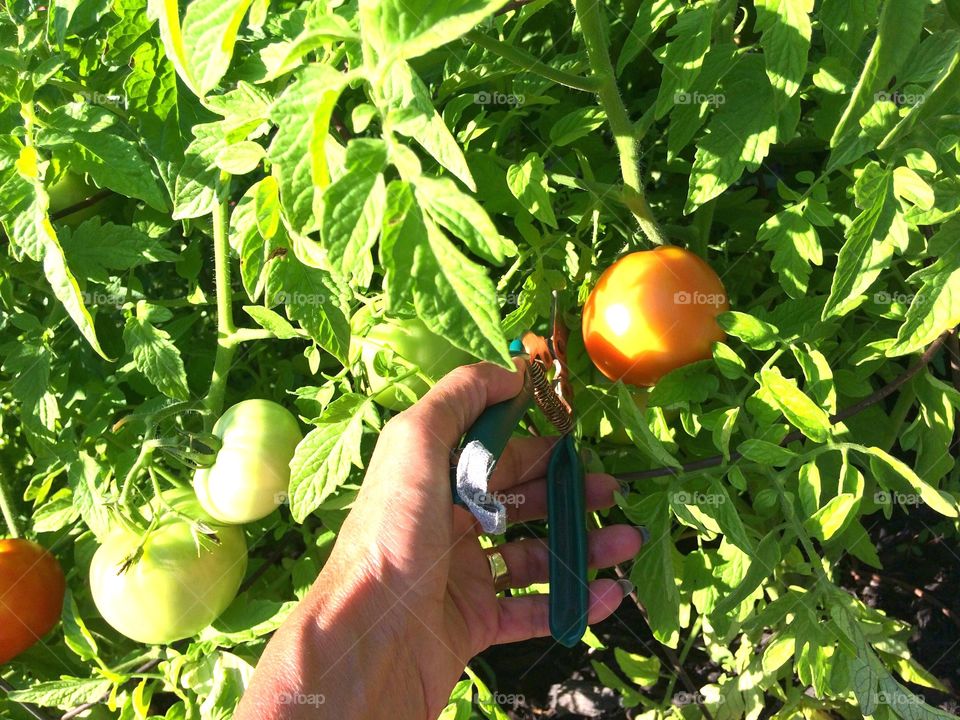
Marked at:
<point>919,584</point>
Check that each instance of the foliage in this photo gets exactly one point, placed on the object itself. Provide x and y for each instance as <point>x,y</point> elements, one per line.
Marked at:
<point>459,161</point>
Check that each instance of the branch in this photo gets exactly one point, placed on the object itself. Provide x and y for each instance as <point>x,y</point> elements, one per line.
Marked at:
<point>528,62</point>
<point>796,435</point>
<point>31,710</point>
<point>78,206</point>
<point>591,23</point>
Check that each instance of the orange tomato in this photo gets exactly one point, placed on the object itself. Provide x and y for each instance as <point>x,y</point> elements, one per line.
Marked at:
<point>31,595</point>
<point>652,312</point>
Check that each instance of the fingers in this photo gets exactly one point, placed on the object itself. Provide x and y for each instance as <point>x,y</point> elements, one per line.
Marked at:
<point>523,459</point>
<point>528,500</point>
<point>522,618</point>
<point>528,560</point>
<point>443,415</point>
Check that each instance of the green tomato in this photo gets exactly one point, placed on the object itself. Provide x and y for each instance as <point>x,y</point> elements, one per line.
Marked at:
<point>177,584</point>
<point>414,343</point>
<point>251,474</point>
<point>68,190</point>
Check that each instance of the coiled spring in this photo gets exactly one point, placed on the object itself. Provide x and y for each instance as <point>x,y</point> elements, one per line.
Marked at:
<point>547,399</point>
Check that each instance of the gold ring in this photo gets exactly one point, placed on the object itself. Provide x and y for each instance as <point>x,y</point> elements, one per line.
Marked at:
<point>498,570</point>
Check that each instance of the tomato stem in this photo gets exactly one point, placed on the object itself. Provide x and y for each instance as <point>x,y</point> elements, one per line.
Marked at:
<point>226,346</point>
<point>591,23</point>
<point>143,461</point>
<point>6,505</point>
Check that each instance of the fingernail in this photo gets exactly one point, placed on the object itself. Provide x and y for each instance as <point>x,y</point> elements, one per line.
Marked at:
<point>626,586</point>
<point>644,533</point>
<point>625,487</point>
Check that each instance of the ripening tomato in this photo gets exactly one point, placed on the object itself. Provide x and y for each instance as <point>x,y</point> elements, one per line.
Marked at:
<point>251,474</point>
<point>652,312</point>
<point>413,342</point>
<point>31,595</point>
<point>177,583</point>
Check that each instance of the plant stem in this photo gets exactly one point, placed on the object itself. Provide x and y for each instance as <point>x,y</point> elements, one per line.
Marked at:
<point>143,460</point>
<point>6,506</point>
<point>226,347</point>
<point>591,23</point>
<point>528,62</point>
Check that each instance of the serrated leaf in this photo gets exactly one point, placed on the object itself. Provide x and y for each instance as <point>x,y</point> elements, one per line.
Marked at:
<point>795,246</point>
<point>155,355</point>
<point>682,57</point>
<point>209,32</point>
<point>756,333</point>
<point>785,25</point>
<point>269,320</point>
<point>799,410</point>
<point>527,181</point>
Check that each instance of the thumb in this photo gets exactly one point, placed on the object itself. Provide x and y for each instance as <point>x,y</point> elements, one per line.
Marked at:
<point>454,403</point>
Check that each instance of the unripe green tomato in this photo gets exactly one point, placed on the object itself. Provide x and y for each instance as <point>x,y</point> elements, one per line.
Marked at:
<point>251,475</point>
<point>174,586</point>
<point>67,191</point>
<point>412,341</point>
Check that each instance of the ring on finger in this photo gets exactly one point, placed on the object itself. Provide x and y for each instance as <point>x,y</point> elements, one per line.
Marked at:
<point>498,570</point>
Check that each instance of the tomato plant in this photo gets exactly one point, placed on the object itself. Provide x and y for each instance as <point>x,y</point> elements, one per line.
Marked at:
<point>173,581</point>
<point>397,353</point>
<point>328,205</point>
<point>251,474</point>
<point>652,312</point>
<point>31,595</point>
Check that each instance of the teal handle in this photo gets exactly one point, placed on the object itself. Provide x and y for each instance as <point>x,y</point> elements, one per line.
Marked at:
<point>569,591</point>
<point>495,426</point>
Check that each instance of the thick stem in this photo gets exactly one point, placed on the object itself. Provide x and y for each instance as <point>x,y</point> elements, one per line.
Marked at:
<point>226,346</point>
<point>591,23</point>
<point>6,506</point>
<point>528,62</point>
<point>143,460</point>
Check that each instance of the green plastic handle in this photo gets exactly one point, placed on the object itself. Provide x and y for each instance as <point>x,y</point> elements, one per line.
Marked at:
<point>569,591</point>
<point>495,426</point>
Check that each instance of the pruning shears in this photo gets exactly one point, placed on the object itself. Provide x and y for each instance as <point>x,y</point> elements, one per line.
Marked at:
<point>546,384</point>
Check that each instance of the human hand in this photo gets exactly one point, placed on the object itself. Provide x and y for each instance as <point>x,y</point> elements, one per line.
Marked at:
<point>407,597</point>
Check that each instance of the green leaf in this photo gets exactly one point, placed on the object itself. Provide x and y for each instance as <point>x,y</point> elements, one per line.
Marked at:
<point>410,28</point>
<point>833,517</point>
<point>935,307</point>
<point>869,246</point>
<point>639,669</point>
<point>528,183</point>
<point>756,333</point>
<point>92,140</point>
<point>66,693</point>
<point>155,355</point>
<point>762,566</point>
<point>785,25</point>
<point>576,124</point>
<point>650,16</point>
<point>209,32</point>
<point>795,246</point>
<point>282,57</point>
<point>897,34</point>
<point>302,115</point>
<point>728,362</point>
<point>451,294</point>
<point>797,408</point>
<point>324,458</point>
<point>463,217</point>
<point>639,431</point>
<point>682,57</point>
<point>653,572</point>
<point>94,249</point>
<point>195,191</point>
<point>269,320</point>
<point>738,136</point>
<point>766,453</point>
<point>936,499</point>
